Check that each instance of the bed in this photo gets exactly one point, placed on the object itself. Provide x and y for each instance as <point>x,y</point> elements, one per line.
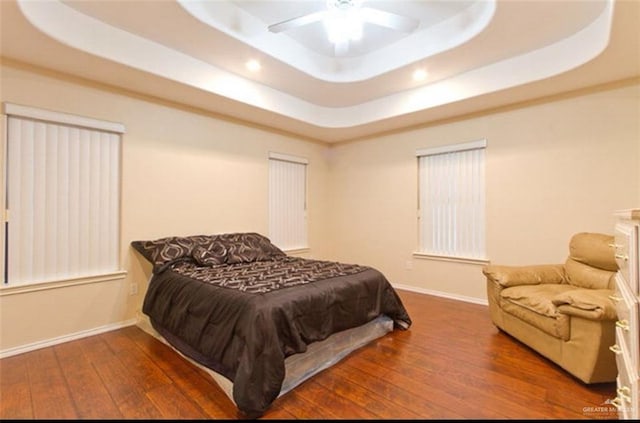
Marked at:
<point>258,320</point>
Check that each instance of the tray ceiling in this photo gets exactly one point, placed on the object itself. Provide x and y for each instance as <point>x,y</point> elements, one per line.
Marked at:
<point>476,54</point>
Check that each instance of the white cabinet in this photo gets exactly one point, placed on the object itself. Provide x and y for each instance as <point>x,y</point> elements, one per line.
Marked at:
<point>626,299</point>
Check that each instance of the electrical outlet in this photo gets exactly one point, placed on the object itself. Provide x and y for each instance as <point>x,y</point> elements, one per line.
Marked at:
<point>408,265</point>
<point>133,288</point>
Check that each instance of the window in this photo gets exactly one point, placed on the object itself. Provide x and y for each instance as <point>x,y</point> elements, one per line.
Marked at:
<point>62,198</point>
<point>452,201</point>
<point>288,201</point>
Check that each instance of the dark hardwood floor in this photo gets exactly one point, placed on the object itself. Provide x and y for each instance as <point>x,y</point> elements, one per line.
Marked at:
<point>451,364</point>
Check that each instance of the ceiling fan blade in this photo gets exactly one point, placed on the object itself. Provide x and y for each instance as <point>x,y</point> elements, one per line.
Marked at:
<point>296,22</point>
<point>389,20</point>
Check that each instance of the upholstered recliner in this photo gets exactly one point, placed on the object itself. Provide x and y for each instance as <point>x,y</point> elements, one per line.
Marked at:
<point>563,311</point>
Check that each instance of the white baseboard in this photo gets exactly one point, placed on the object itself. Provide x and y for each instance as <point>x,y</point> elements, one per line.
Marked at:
<point>65,338</point>
<point>441,294</point>
<point>95,331</point>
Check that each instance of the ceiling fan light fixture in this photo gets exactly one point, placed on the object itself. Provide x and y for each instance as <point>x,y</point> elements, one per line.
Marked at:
<point>343,4</point>
<point>343,21</point>
<point>343,26</point>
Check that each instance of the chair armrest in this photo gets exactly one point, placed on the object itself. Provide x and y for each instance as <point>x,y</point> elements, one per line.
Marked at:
<point>593,304</point>
<point>525,275</point>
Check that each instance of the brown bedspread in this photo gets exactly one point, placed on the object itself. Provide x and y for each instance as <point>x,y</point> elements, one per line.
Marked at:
<point>243,319</point>
<point>247,336</point>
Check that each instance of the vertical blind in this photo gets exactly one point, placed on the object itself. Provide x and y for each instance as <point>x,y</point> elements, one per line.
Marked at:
<point>288,201</point>
<point>452,200</point>
<point>63,201</point>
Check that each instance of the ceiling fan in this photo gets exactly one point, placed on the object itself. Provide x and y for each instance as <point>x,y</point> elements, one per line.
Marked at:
<point>343,20</point>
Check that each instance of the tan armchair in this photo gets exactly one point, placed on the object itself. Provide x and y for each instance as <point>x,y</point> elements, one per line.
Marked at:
<point>563,311</point>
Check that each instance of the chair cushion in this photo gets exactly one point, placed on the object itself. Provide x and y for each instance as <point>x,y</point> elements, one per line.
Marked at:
<point>537,298</point>
<point>534,305</point>
<point>593,249</point>
<point>584,276</point>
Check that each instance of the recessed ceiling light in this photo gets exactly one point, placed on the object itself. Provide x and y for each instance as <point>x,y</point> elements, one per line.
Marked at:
<point>253,65</point>
<point>419,75</point>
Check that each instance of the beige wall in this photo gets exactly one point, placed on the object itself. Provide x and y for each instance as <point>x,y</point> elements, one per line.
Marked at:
<point>553,168</point>
<point>183,173</point>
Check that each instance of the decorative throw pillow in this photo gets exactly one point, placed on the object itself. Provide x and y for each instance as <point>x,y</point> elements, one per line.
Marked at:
<point>212,255</point>
<point>250,247</point>
<point>208,250</point>
<point>241,253</point>
<point>164,250</point>
<point>270,250</point>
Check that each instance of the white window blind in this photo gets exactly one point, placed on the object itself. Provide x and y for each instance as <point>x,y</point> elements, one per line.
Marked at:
<point>288,201</point>
<point>452,200</point>
<point>63,196</point>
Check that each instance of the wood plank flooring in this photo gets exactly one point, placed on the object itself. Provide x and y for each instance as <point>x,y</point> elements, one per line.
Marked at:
<point>451,364</point>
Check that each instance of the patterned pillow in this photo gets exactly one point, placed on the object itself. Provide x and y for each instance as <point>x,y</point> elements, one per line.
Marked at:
<point>250,247</point>
<point>208,250</point>
<point>210,255</point>
<point>165,250</point>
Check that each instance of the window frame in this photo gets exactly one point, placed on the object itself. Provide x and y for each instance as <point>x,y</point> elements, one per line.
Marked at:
<point>62,119</point>
<point>482,259</point>
<point>295,160</point>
